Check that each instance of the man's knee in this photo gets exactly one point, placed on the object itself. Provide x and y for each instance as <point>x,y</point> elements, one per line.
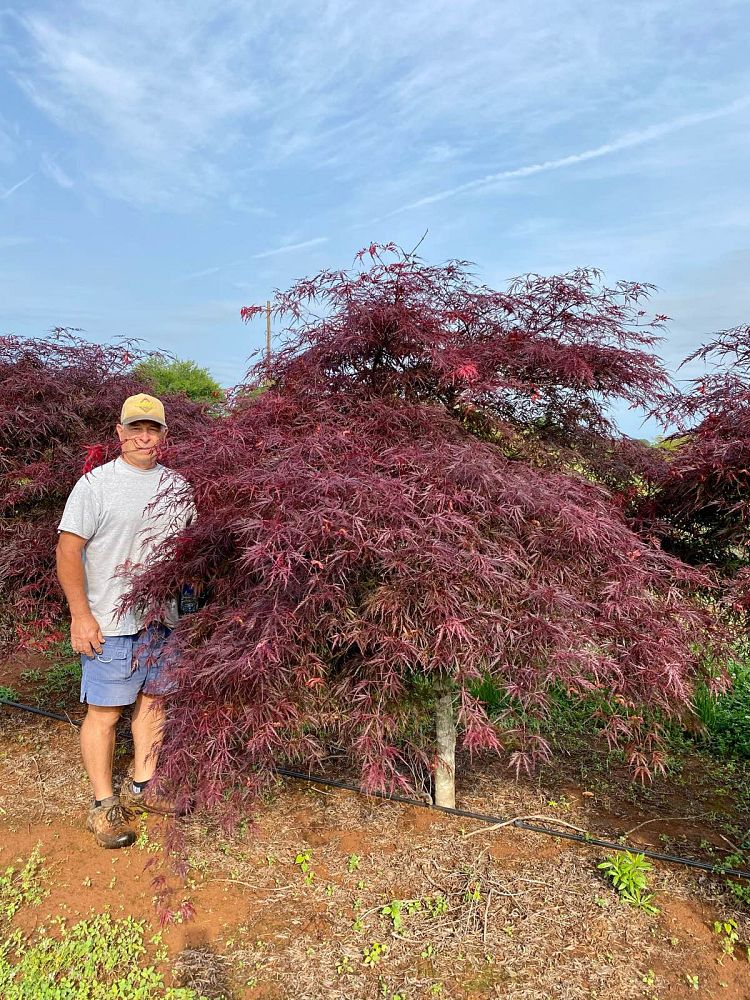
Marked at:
<point>151,703</point>
<point>103,717</point>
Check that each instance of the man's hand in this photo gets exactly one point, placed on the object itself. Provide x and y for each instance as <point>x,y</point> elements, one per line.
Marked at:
<point>86,636</point>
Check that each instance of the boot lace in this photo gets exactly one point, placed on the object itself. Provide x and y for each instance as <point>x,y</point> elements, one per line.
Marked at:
<point>115,815</point>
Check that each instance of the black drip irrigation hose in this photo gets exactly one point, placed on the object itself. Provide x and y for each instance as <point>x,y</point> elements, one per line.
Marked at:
<point>520,824</point>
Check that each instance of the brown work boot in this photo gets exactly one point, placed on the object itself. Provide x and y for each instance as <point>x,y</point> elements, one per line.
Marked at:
<point>146,801</point>
<point>109,825</point>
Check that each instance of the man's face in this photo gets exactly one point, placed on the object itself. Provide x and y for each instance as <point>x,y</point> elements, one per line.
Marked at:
<point>140,441</point>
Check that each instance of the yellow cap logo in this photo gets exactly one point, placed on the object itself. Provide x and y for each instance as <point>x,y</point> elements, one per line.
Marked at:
<point>142,406</point>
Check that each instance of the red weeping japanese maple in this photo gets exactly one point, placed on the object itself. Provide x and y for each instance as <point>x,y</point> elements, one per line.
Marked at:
<point>397,515</point>
<point>61,398</point>
<point>699,501</point>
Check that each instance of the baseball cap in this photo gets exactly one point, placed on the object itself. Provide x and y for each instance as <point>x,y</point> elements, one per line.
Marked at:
<point>142,407</point>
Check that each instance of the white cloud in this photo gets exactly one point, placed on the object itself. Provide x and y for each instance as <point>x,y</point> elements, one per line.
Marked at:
<point>291,247</point>
<point>204,273</point>
<point>52,169</point>
<point>627,141</point>
<point>19,184</point>
<point>183,102</point>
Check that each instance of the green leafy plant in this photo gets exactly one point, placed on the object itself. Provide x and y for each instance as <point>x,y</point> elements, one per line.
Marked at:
<point>24,886</point>
<point>473,893</point>
<point>398,907</point>
<point>344,966</point>
<point>99,959</point>
<point>728,936</point>
<point>726,717</point>
<point>352,863</point>
<point>628,873</point>
<point>437,904</point>
<point>374,953</point>
<point>303,859</point>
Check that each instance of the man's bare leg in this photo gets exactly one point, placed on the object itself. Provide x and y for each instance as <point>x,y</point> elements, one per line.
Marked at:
<point>147,724</point>
<point>98,747</point>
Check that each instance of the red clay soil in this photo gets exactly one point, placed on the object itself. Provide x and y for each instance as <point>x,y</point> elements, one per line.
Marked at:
<point>545,923</point>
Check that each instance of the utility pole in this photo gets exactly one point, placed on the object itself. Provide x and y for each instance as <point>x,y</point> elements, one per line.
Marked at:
<point>268,334</point>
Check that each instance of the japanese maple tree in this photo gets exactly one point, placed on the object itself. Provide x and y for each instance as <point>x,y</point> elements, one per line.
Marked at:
<point>409,507</point>
<point>699,500</point>
<point>61,398</point>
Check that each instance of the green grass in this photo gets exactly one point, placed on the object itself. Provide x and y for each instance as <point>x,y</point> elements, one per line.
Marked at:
<point>8,694</point>
<point>56,685</point>
<point>724,720</point>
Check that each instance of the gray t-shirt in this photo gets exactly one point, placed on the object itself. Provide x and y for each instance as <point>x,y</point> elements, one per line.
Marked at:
<point>107,507</point>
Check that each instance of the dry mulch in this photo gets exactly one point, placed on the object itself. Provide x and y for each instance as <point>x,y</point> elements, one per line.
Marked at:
<point>523,916</point>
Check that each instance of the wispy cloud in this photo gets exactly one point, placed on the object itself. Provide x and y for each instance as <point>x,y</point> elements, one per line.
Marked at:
<point>277,251</point>
<point>185,102</point>
<point>15,187</point>
<point>627,141</point>
<point>291,247</point>
<point>52,169</point>
<point>204,273</point>
<point>7,242</point>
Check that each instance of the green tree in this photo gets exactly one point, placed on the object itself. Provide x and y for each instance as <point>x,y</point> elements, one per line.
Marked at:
<point>171,375</point>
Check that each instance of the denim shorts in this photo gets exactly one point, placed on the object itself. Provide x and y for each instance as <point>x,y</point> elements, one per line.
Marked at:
<point>127,665</point>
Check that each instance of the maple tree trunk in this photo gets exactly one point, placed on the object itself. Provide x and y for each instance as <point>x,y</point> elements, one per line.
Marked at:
<point>445,731</point>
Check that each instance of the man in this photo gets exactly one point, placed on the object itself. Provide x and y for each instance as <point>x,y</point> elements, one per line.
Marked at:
<point>110,520</point>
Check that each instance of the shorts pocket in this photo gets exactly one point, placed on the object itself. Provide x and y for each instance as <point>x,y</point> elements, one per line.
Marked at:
<point>111,655</point>
<point>115,662</point>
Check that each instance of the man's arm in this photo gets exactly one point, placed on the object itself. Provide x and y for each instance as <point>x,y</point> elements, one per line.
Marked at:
<point>85,634</point>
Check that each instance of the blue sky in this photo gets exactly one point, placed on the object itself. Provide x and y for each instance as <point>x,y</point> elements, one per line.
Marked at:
<point>163,164</point>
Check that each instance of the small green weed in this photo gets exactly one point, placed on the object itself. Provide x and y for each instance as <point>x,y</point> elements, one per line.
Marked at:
<point>628,873</point>
<point>374,952</point>
<point>344,966</point>
<point>59,683</point>
<point>352,863</point>
<point>729,938</point>
<point>398,907</point>
<point>99,959</point>
<point>8,694</point>
<point>740,860</point>
<point>727,932</point>
<point>144,843</point>
<point>303,860</point>
<point>24,886</point>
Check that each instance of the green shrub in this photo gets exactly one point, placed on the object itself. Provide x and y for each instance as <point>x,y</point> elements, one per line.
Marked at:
<point>167,375</point>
